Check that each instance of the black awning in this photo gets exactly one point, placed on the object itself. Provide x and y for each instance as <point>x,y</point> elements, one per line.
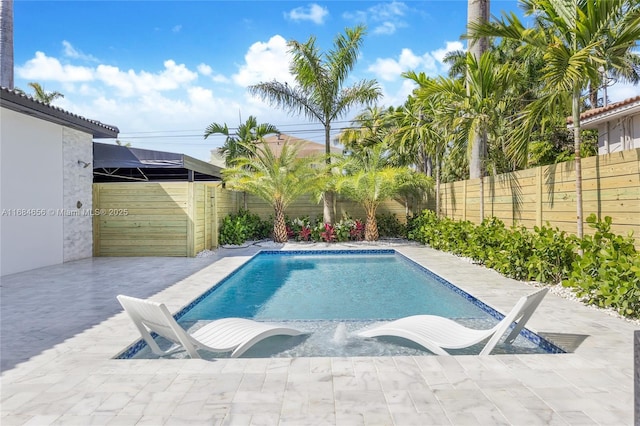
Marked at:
<point>121,163</point>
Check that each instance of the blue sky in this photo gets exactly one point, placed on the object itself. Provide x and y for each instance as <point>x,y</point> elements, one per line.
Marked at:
<point>161,71</point>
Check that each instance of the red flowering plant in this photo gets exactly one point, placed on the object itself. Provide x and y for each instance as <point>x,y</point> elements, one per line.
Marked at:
<point>304,234</point>
<point>357,231</point>
<point>329,233</point>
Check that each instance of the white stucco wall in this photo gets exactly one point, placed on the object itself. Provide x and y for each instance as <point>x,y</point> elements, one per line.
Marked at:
<point>41,183</point>
<point>30,192</point>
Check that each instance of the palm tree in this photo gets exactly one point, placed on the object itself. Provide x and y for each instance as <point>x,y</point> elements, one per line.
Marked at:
<point>478,108</point>
<point>242,143</point>
<point>43,96</point>
<point>320,93</point>
<point>477,13</point>
<point>277,180</point>
<point>571,36</point>
<point>6,43</point>
<point>235,145</point>
<point>368,179</point>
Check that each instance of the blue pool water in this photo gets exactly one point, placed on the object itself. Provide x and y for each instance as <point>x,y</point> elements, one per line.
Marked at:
<point>330,295</point>
<point>328,286</point>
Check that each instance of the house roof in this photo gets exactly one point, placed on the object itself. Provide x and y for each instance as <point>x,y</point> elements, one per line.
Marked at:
<point>591,118</point>
<point>307,147</point>
<point>118,163</point>
<point>25,104</point>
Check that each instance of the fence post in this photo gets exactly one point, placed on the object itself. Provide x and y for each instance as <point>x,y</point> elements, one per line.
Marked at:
<point>539,196</point>
<point>191,207</point>
<point>464,200</point>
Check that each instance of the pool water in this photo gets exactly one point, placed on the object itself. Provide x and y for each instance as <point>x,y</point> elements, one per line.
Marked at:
<point>330,295</point>
<point>328,286</point>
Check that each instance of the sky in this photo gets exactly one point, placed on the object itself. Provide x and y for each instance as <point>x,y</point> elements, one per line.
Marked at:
<point>162,71</point>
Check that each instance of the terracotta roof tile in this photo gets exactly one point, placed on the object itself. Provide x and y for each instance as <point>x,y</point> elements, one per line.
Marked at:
<point>597,111</point>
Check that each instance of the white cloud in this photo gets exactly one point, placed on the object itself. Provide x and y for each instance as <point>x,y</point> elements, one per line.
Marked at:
<point>204,69</point>
<point>176,29</point>
<point>451,46</point>
<point>387,17</point>
<point>313,13</point>
<point>390,69</point>
<point>265,62</point>
<point>45,68</point>
<point>131,83</point>
<point>72,52</point>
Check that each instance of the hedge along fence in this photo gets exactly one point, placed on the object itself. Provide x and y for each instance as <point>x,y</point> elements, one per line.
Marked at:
<point>154,218</point>
<point>533,197</point>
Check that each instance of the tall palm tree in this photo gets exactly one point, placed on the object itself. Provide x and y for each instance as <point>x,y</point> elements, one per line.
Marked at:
<point>368,179</point>
<point>477,13</point>
<point>320,93</point>
<point>572,36</point>
<point>235,145</point>
<point>478,108</point>
<point>278,180</point>
<point>6,43</point>
<point>43,96</point>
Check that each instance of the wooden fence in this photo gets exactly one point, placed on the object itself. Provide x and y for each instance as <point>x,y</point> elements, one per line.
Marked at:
<point>153,219</point>
<point>533,197</point>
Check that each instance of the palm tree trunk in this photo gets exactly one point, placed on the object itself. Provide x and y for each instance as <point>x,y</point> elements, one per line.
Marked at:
<point>6,43</point>
<point>279,225</point>
<point>577,141</point>
<point>371,226</point>
<point>478,11</point>
<point>328,215</point>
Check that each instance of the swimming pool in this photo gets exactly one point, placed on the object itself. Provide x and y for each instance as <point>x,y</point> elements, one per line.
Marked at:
<point>329,294</point>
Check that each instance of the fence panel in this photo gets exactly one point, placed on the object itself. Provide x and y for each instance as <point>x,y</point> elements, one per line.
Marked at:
<point>611,187</point>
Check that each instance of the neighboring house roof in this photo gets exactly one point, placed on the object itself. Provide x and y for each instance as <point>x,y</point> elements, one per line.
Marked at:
<point>591,118</point>
<point>25,104</point>
<point>123,163</point>
<point>307,147</point>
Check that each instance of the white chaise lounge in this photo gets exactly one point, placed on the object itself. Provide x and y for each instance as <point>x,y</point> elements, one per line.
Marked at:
<point>437,333</point>
<point>223,335</point>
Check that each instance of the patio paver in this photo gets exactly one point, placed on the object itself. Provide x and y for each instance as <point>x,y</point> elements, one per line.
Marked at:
<point>61,327</point>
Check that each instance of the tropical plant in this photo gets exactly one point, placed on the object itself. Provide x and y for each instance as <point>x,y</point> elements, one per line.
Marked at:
<point>39,94</point>
<point>278,180</point>
<point>478,108</point>
<point>320,92</point>
<point>572,36</point>
<point>368,179</point>
<point>238,144</point>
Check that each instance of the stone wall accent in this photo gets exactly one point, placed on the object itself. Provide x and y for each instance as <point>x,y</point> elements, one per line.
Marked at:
<point>77,149</point>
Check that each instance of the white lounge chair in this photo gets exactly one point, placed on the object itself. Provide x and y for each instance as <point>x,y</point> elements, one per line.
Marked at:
<point>437,333</point>
<point>223,335</point>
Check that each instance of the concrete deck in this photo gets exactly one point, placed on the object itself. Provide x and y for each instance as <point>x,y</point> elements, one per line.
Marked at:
<point>61,326</point>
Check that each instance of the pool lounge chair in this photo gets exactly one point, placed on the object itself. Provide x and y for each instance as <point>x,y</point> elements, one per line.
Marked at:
<point>437,333</point>
<point>223,335</point>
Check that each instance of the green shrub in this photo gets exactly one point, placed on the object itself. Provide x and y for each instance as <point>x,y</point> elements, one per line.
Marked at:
<point>607,274</point>
<point>390,226</point>
<point>239,227</point>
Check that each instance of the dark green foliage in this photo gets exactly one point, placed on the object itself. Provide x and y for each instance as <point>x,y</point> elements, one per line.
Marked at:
<point>239,227</point>
<point>389,226</point>
<point>543,255</point>
<point>608,272</point>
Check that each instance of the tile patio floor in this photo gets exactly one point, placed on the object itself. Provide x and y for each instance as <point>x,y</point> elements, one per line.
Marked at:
<point>60,327</point>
